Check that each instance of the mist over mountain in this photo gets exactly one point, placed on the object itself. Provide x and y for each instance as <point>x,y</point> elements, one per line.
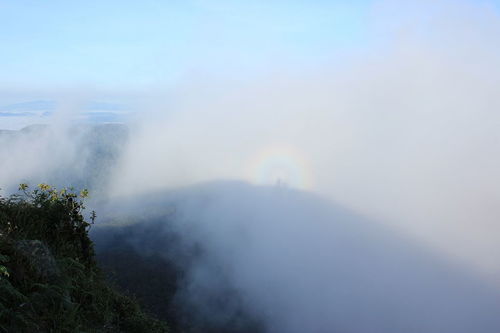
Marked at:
<point>228,256</point>
<point>266,166</point>
<point>288,260</point>
<point>79,155</point>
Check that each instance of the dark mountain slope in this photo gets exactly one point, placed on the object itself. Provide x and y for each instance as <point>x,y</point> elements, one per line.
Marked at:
<point>234,257</point>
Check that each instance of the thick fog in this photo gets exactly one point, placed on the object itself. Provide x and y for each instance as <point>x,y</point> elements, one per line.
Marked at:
<point>299,263</point>
<point>367,185</point>
<point>405,130</point>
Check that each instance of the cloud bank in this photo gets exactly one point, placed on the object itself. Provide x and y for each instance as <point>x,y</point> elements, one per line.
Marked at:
<point>404,129</point>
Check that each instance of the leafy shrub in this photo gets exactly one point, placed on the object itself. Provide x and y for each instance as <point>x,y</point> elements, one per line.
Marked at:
<point>45,226</point>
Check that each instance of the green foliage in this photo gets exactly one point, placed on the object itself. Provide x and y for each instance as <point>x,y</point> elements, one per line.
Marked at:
<point>49,215</point>
<point>3,270</point>
<point>44,228</point>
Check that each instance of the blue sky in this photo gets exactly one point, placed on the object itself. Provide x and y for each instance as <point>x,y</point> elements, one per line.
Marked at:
<point>119,50</point>
<point>129,44</point>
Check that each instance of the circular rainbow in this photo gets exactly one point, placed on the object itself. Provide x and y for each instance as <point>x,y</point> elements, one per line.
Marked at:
<point>280,165</point>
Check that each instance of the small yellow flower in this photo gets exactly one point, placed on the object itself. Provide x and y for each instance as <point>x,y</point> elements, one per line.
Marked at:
<point>44,187</point>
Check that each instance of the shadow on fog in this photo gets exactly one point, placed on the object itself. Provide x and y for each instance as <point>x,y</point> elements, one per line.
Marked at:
<point>228,256</point>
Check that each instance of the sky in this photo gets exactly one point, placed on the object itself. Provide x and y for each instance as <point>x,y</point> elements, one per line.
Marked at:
<point>117,52</point>
<point>129,44</point>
